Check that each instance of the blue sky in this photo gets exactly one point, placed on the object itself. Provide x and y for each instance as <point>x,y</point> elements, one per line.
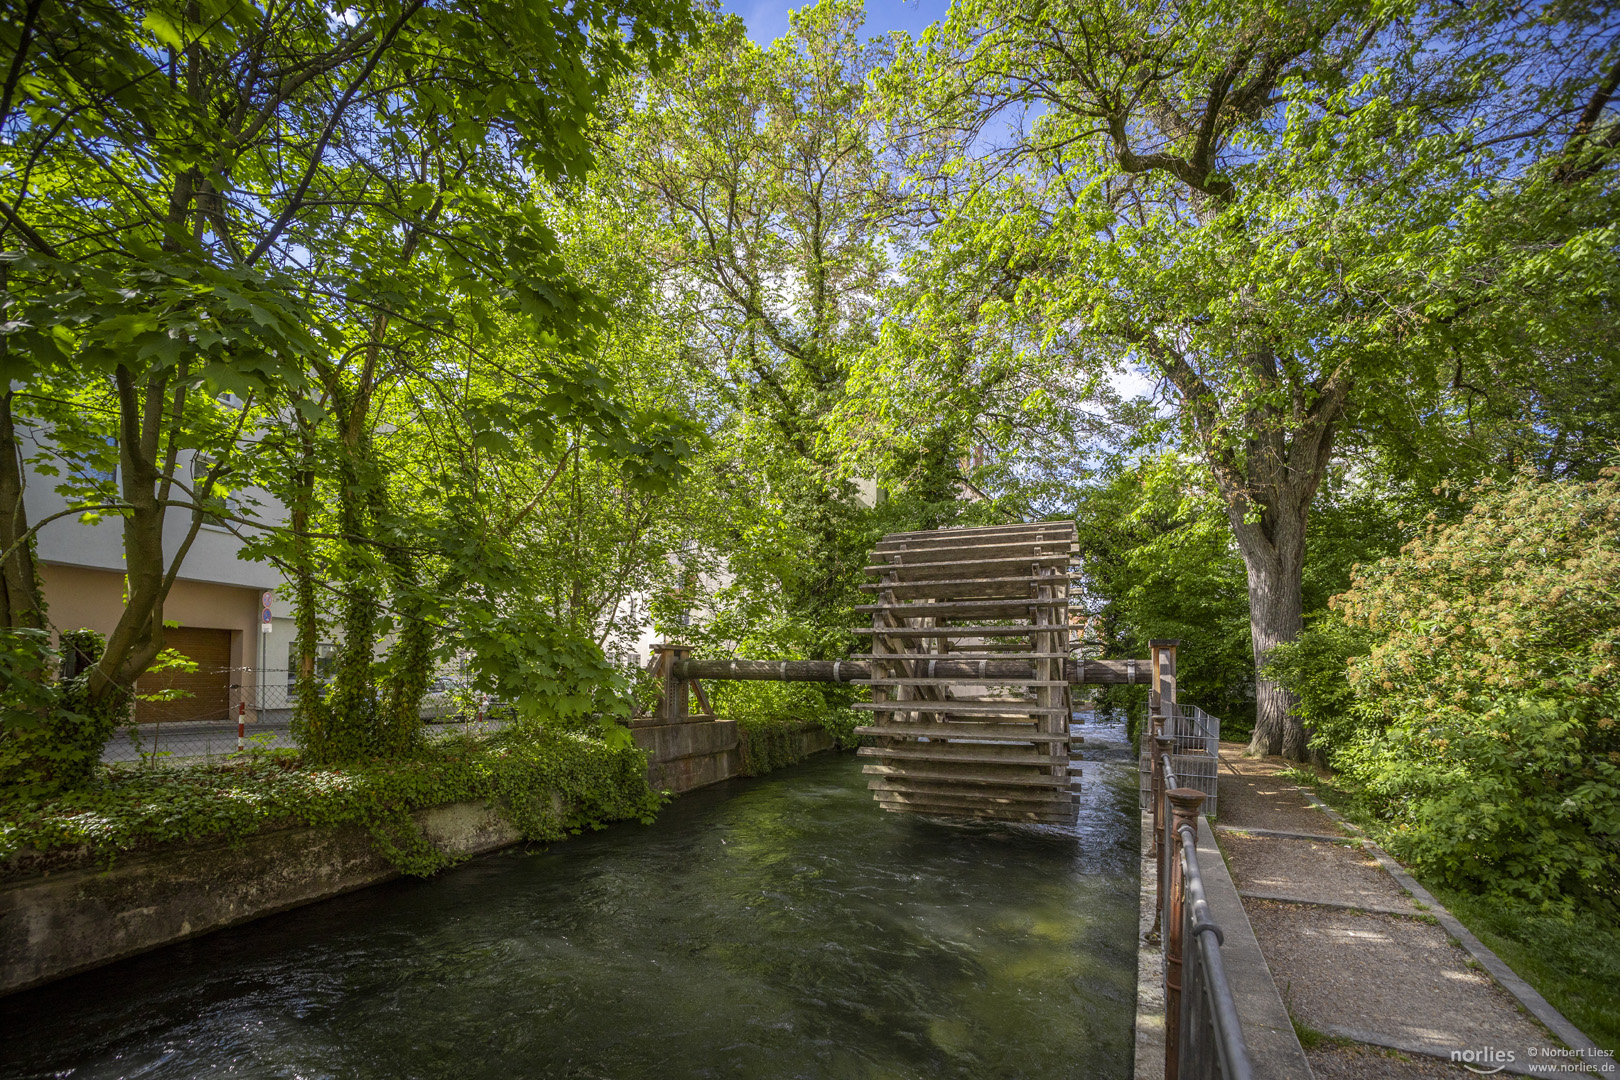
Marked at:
<point>768,19</point>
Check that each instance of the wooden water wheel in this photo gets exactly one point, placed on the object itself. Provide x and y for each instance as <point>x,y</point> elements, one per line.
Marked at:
<point>994,744</point>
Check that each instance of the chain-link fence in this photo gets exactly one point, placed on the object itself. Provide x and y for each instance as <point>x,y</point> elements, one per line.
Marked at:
<point>215,712</point>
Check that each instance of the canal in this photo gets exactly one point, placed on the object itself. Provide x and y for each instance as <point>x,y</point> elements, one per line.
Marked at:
<point>777,927</point>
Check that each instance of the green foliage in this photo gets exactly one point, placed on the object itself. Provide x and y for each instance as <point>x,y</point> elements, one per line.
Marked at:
<point>771,715</point>
<point>771,718</point>
<point>517,773</point>
<point>1158,562</point>
<point>51,732</point>
<point>1315,668</point>
<point>1484,728</point>
<point>760,169</point>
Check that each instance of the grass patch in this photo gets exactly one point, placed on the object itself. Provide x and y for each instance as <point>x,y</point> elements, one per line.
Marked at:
<point>125,810</point>
<point>1573,962</point>
<point>1311,1039</point>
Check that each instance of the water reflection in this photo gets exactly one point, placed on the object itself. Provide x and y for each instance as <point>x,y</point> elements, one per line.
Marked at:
<point>782,927</point>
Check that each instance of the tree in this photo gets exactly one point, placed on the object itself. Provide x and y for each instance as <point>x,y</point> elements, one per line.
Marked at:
<point>760,167</point>
<point>216,197</point>
<point>1291,216</point>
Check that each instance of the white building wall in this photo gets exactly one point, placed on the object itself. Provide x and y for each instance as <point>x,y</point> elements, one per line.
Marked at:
<point>213,556</point>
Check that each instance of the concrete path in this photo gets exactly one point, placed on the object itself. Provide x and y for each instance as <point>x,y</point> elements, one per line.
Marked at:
<point>1355,955</point>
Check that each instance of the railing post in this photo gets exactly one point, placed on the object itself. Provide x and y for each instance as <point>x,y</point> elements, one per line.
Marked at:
<point>1184,804</point>
<point>1161,850</point>
<point>1158,746</point>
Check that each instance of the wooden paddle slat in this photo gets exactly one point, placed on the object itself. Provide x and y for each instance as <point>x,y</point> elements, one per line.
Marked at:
<point>997,732</point>
<point>1004,796</point>
<point>916,569</point>
<point>1033,800</point>
<point>963,708</point>
<point>970,774</point>
<point>967,588</point>
<point>950,609</point>
<point>966,753</point>
<point>947,747</point>
<point>961,680</point>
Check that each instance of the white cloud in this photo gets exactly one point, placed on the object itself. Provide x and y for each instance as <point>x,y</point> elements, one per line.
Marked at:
<point>1132,382</point>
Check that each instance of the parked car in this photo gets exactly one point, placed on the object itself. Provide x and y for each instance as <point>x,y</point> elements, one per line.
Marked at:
<point>448,700</point>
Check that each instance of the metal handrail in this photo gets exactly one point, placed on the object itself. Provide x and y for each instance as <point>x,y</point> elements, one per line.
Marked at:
<point>1199,1006</point>
<point>1213,990</point>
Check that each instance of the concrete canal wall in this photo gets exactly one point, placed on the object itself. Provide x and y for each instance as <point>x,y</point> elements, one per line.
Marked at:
<point>65,917</point>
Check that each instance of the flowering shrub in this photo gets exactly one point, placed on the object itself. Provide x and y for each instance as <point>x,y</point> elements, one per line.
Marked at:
<point>1485,731</point>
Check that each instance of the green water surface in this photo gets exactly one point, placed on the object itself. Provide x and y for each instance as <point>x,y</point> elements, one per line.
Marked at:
<point>780,927</point>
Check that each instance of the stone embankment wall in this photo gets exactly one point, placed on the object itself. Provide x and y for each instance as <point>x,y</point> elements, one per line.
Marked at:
<point>65,921</point>
<point>55,922</point>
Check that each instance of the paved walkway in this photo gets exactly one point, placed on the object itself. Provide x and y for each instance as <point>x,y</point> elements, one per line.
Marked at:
<point>1355,956</point>
<point>187,740</point>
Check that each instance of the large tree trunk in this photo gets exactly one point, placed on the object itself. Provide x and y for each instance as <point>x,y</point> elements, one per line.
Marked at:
<point>1267,483</point>
<point>1274,554</point>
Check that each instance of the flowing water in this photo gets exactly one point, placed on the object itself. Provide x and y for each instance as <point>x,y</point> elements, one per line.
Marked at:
<point>778,927</point>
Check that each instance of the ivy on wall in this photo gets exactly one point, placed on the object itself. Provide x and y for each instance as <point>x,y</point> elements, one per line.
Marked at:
<point>518,773</point>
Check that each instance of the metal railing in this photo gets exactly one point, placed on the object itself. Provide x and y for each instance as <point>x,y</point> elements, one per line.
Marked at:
<point>1196,740</point>
<point>1203,1036</point>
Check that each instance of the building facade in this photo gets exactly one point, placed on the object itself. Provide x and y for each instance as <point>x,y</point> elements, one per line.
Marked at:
<point>214,612</point>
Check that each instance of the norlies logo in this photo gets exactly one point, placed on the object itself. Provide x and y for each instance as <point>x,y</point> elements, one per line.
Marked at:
<point>1485,1061</point>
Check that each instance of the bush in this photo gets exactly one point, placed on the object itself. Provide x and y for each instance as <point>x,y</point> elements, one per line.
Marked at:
<point>1483,729</point>
<point>771,715</point>
<point>1316,667</point>
<point>51,734</point>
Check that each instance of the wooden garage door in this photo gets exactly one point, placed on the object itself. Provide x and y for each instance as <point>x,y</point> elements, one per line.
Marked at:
<point>208,694</point>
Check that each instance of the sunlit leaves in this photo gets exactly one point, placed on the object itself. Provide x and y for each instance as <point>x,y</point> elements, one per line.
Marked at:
<point>1487,687</point>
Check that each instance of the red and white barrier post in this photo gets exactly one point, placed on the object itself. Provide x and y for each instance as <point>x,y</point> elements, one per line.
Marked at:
<point>241,725</point>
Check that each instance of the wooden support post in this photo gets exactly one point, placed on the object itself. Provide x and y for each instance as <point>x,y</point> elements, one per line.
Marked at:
<point>703,701</point>
<point>1184,803</point>
<point>675,705</point>
<point>1162,655</point>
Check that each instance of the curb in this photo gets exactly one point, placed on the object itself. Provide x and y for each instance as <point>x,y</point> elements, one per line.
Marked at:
<point>1337,905</point>
<point>1525,994</point>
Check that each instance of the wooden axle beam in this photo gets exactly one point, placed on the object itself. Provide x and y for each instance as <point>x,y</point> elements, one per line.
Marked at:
<point>1078,672</point>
